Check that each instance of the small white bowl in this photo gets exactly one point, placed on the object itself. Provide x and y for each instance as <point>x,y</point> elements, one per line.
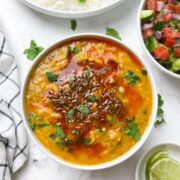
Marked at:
<point>172,149</point>
<point>118,160</point>
<point>70,14</point>
<point>163,69</point>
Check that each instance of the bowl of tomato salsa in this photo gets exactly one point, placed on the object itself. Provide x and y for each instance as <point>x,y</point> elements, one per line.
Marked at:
<point>89,102</point>
<point>159,30</point>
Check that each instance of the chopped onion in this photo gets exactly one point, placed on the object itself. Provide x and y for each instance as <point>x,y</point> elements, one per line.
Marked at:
<point>147,26</point>
<point>160,5</point>
<point>172,1</point>
<point>177,16</point>
<point>177,43</point>
<point>158,35</point>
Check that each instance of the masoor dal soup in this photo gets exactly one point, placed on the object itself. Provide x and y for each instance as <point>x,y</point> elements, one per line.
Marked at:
<point>89,101</point>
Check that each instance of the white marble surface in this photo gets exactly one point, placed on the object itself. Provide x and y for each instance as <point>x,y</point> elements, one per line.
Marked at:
<point>22,24</point>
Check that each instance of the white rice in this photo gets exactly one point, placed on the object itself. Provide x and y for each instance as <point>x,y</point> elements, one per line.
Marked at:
<point>73,5</point>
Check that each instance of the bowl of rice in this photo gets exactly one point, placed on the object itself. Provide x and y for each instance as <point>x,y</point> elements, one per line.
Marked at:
<point>71,8</point>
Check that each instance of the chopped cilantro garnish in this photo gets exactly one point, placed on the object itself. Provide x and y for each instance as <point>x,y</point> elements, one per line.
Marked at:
<point>101,130</point>
<point>112,32</point>
<point>60,133</point>
<point>76,50</point>
<point>132,130</point>
<point>159,26</point>
<point>160,113</point>
<point>43,125</point>
<point>72,79</point>
<point>75,132</point>
<point>70,114</point>
<point>82,1</point>
<point>83,109</point>
<point>33,126</point>
<point>86,141</point>
<point>144,72</point>
<point>51,76</point>
<point>73,24</point>
<point>92,98</point>
<point>52,136</point>
<point>59,143</point>
<point>33,50</point>
<point>64,143</point>
<point>132,78</point>
<point>87,72</point>
<point>33,116</point>
<point>159,122</point>
<point>112,121</point>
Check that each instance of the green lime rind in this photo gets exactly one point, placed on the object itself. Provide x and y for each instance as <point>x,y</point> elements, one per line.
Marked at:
<point>165,168</point>
<point>153,159</point>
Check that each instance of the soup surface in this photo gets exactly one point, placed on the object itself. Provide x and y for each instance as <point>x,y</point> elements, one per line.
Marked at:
<point>89,101</point>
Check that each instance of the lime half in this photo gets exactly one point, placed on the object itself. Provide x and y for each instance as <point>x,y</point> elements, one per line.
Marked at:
<point>165,169</point>
<point>153,159</point>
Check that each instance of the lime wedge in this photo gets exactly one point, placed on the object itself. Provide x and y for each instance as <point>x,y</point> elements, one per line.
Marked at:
<point>165,169</point>
<point>152,160</point>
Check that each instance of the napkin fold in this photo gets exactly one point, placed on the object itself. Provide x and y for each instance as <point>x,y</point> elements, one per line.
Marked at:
<point>13,140</point>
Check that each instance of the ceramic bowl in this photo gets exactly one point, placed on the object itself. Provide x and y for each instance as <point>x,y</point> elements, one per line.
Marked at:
<point>125,156</point>
<point>159,66</point>
<point>173,150</point>
<point>70,14</point>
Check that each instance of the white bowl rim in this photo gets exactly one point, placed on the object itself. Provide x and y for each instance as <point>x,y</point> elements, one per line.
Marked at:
<point>147,152</point>
<point>70,14</point>
<point>126,155</point>
<point>163,69</point>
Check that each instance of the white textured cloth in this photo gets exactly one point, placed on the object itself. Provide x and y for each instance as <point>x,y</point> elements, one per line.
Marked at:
<point>13,140</point>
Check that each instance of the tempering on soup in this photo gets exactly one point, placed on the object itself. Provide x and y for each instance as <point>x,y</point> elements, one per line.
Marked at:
<point>89,101</point>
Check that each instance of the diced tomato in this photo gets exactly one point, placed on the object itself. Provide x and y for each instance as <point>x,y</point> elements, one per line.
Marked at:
<point>171,7</point>
<point>177,52</point>
<point>170,33</point>
<point>177,9</point>
<point>152,5</point>
<point>165,1</point>
<point>170,42</point>
<point>162,53</point>
<point>148,33</point>
<point>168,17</point>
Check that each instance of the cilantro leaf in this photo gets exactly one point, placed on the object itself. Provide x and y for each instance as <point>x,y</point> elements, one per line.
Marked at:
<point>73,24</point>
<point>159,122</point>
<point>43,125</point>
<point>33,126</point>
<point>159,26</point>
<point>76,131</point>
<point>82,1</point>
<point>132,130</point>
<point>86,141</point>
<point>112,32</point>
<point>60,133</point>
<point>51,76</point>
<point>160,112</point>
<point>33,50</point>
<point>52,136</point>
<point>72,78</point>
<point>33,116</point>
<point>132,78</point>
<point>144,72</point>
<point>83,109</point>
<point>92,98</point>
<point>70,114</point>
